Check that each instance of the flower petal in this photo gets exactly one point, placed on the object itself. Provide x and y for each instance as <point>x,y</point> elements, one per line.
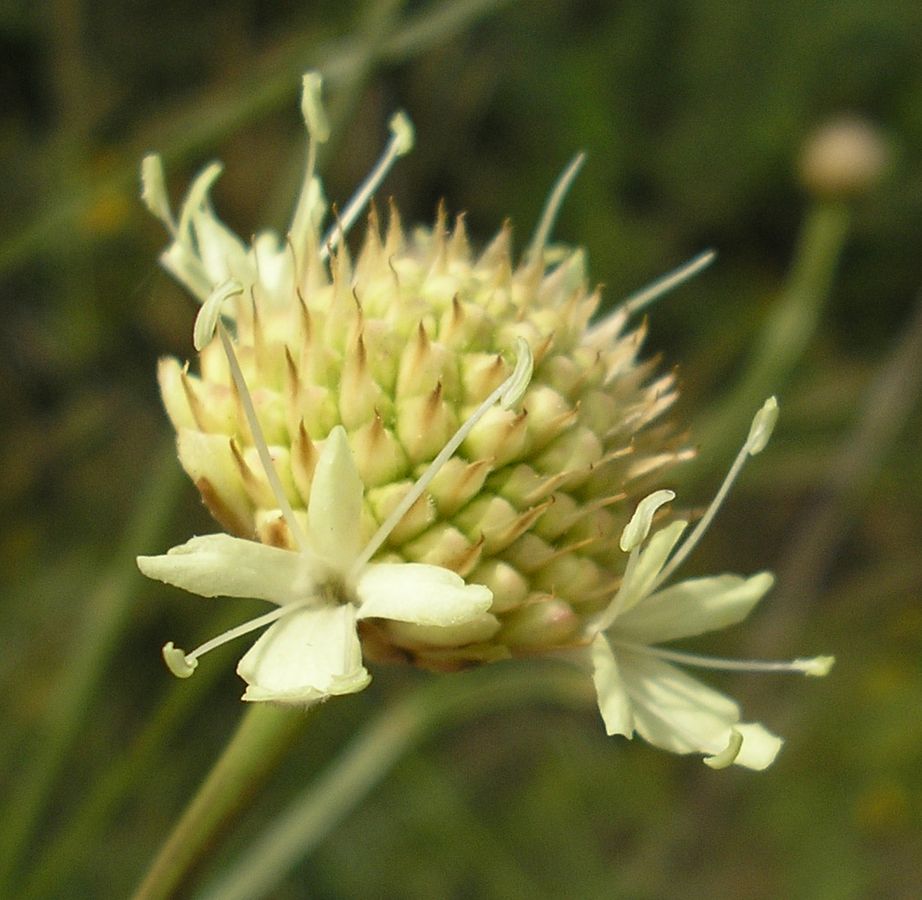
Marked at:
<point>217,565</point>
<point>419,593</point>
<point>334,511</point>
<point>614,702</point>
<point>693,607</point>
<point>650,562</point>
<point>307,656</point>
<point>674,711</point>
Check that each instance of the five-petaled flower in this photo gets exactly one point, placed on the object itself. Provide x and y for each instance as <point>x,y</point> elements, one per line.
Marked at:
<point>311,649</point>
<point>638,687</point>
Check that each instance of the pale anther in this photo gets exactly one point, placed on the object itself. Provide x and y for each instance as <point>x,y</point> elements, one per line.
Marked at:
<point>518,382</point>
<point>728,755</point>
<point>403,134</point>
<point>206,322</point>
<point>763,424</point>
<point>315,117</point>
<point>553,204</point>
<point>177,661</point>
<point>153,190</point>
<point>637,530</point>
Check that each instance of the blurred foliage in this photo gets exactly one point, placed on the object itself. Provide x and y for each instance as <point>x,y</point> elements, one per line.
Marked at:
<point>693,115</point>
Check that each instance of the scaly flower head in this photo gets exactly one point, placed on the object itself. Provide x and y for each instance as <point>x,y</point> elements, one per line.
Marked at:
<point>398,347</point>
<point>429,455</point>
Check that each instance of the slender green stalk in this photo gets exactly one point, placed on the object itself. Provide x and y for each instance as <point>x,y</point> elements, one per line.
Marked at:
<point>812,547</point>
<point>264,735</point>
<point>787,333</point>
<point>106,613</point>
<point>440,704</point>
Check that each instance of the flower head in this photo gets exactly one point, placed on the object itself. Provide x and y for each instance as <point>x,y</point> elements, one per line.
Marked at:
<point>321,590</point>
<point>399,347</point>
<point>346,429</point>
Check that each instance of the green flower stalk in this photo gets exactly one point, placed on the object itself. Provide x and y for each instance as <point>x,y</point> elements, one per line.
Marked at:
<point>431,455</point>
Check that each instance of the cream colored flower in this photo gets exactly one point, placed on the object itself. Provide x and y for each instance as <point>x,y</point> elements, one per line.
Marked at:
<point>311,649</point>
<point>639,688</point>
<point>389,365</point>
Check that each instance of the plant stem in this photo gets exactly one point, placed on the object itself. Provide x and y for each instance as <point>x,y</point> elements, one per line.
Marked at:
<point>439,704</point>
<point>85,827</point>
<point>263,736</point>
<point>788,331</point>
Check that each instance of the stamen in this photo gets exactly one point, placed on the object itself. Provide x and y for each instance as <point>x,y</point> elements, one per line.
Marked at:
<point>315,116</point>
<point>759,433</point>
<point>153,191</point>
<point>259,440</point>
<point>400,144</point>
<point>609,326</point>
<point>195,198</point>
<point>183,664</point>
<point>728,755</point>
<point>667,282</point>
<point>318,132</point>
<point>814,666</point>
<point>206,322</point>
<point>636,531</point>
<point>614,608</point>
<point>632,539</point>
<point>508,393</point>
<point>552,207</point>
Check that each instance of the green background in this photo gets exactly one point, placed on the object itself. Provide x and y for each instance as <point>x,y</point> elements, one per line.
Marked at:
<point>693,116</point>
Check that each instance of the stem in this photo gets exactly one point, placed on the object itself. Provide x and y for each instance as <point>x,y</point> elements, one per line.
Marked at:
<point>261,739</point>
<point>787,333</point>
<point>440,704</point>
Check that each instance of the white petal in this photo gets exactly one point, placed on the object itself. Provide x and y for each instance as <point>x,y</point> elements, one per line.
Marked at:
<point>308,655</point>
<point>334,510</point>
<point>182,263</point>
<point>650,562</point>
<point>674,711</point>
<point>760,746</point>
<point>223,254</point>
<point>614,702</point>
<point>692,607</point>
<point>415,592</point>
<point>217,565</point>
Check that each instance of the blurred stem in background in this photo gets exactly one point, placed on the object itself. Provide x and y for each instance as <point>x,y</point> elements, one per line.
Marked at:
<point>812,547</point>
<point>788,330</point>
<point>108,608</point>
<point>441,703</point>
<point>840,161</point>
<point>113,786</point>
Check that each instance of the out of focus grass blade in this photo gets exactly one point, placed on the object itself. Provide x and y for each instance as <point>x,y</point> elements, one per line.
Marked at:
<point>107,608</point>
